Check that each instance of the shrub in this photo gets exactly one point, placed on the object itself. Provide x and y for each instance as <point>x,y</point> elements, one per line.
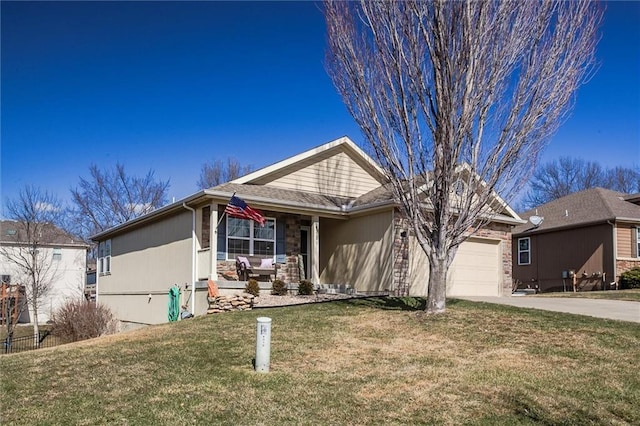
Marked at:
<point>80,320</point>
<point>252,287</point>
<point>630,279</point>
<point>279,288</point>
<point>305,288</point>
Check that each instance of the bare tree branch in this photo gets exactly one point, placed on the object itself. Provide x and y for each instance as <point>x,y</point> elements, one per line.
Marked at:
<point>456,100</point>
<point>217,172</point>
<point>567,175</point>
<point>112,197</point>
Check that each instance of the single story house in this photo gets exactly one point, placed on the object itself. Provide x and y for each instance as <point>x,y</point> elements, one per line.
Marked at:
<point>330,218</point>
<point>61,259</point>
<point>590,236</point>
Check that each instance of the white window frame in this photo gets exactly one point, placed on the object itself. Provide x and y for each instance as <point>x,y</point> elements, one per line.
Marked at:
<point>528,250</point>
<point>251,238</point>
<point>57,253</point>
<point>104,257</point>
<point>638,241</point>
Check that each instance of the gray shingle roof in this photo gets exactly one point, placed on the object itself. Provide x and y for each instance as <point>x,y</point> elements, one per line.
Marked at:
<point>15,232</point>
<point>281,195</point>
<point>584,207</point>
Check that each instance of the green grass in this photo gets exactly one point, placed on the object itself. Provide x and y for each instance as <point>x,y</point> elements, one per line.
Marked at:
<point>632,294</point>
<point>370,361</point>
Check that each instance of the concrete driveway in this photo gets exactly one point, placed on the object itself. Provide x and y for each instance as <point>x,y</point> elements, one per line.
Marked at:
<point>612,309</point>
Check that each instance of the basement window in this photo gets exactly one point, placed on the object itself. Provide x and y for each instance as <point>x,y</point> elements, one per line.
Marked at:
<point>524,251</point>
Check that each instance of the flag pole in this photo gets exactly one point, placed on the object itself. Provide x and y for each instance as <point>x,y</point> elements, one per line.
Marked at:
<point>224,212</point>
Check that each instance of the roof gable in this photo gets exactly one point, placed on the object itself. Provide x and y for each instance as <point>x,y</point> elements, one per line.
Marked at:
<point>593,205</point>
<point>337,168</point>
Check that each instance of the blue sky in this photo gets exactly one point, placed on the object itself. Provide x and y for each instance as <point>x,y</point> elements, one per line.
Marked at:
<point>170,85</point>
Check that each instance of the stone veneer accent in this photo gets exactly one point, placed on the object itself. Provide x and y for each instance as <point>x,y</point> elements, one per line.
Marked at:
<point>497,231</point>
<point>623,265</point>
<point>238,302</point>
<point>400,254</point>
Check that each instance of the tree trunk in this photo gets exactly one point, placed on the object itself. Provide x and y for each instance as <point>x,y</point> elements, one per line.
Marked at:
<point>437,289</point>
<point>36,329</point>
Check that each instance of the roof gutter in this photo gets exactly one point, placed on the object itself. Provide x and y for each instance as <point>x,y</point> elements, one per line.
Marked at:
<point>269,202</point>
<point>158,212</point>
<point>577,225</point>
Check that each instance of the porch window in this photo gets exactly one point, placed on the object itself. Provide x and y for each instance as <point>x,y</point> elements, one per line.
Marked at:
<point>524,251</point>
<point>104,257</point>
<point>246,237</point>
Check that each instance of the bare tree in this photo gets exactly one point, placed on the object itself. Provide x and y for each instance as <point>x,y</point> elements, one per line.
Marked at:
<point>456,100</point>
<point>112,197</point>
<point>32,229</point>
<point>218,172</point>
<point>556,179</point>
<point>623,179</point>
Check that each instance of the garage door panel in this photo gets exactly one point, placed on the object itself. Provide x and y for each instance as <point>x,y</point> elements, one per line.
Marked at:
<point>475,269</point>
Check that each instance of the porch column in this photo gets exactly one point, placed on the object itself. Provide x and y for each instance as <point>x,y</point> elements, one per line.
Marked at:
<point>213,243</point>
<point>315,249</point>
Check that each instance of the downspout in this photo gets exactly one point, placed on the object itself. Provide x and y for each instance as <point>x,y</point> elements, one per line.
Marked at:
<point>614,243</point>
<point>193,257</point>
<point>97,282</point>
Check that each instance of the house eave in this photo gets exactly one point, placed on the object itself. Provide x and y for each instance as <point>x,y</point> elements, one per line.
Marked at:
<point>265,203</point>
<point>223,197</point>
<point>537,231</point>
<point>79,245</point>
<point>162,211</point>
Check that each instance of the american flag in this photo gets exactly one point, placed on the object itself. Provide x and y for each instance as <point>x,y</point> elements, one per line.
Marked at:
<point>238,208</point>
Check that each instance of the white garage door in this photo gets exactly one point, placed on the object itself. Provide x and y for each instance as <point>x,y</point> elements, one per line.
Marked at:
<point>476,269</point>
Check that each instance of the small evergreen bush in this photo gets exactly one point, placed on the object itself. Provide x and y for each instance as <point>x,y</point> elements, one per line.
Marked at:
<point>80,320</point>
<point>279,288</point>
<point>305,288</point>
<point>252,287</point>
<point>630,279</point>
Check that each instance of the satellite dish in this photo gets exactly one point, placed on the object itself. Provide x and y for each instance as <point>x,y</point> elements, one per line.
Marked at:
<point>536,220</point>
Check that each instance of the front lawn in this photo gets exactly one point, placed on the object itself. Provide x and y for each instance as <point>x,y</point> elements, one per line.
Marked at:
<point>369,361</point>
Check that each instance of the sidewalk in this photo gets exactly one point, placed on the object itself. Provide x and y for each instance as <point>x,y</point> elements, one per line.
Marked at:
<point>611,309</point>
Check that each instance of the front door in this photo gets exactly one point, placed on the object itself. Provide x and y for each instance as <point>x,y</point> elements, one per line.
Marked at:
<point>305,249</point>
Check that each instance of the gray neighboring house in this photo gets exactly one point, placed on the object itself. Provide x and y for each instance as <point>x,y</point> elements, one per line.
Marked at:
<point>592,235</point>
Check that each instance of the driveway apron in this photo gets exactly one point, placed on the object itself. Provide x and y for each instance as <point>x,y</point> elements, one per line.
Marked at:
<point>621,310</point>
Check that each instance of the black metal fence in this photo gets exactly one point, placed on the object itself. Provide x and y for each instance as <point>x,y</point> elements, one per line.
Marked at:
<point>29,343</point>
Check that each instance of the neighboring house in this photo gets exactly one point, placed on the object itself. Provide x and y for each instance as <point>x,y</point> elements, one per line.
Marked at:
<point>328,207</point>
<point>594,233</point>
<point>63,255</point>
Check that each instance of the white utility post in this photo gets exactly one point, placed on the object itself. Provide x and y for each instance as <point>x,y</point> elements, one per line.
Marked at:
<point>263,344</point>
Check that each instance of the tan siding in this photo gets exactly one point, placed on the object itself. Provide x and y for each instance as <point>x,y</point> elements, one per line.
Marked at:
<point>358,252</point>
<point>624,238</point>
<point>586,250</point>
<point>337,175</point>
<point>145,261</point>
